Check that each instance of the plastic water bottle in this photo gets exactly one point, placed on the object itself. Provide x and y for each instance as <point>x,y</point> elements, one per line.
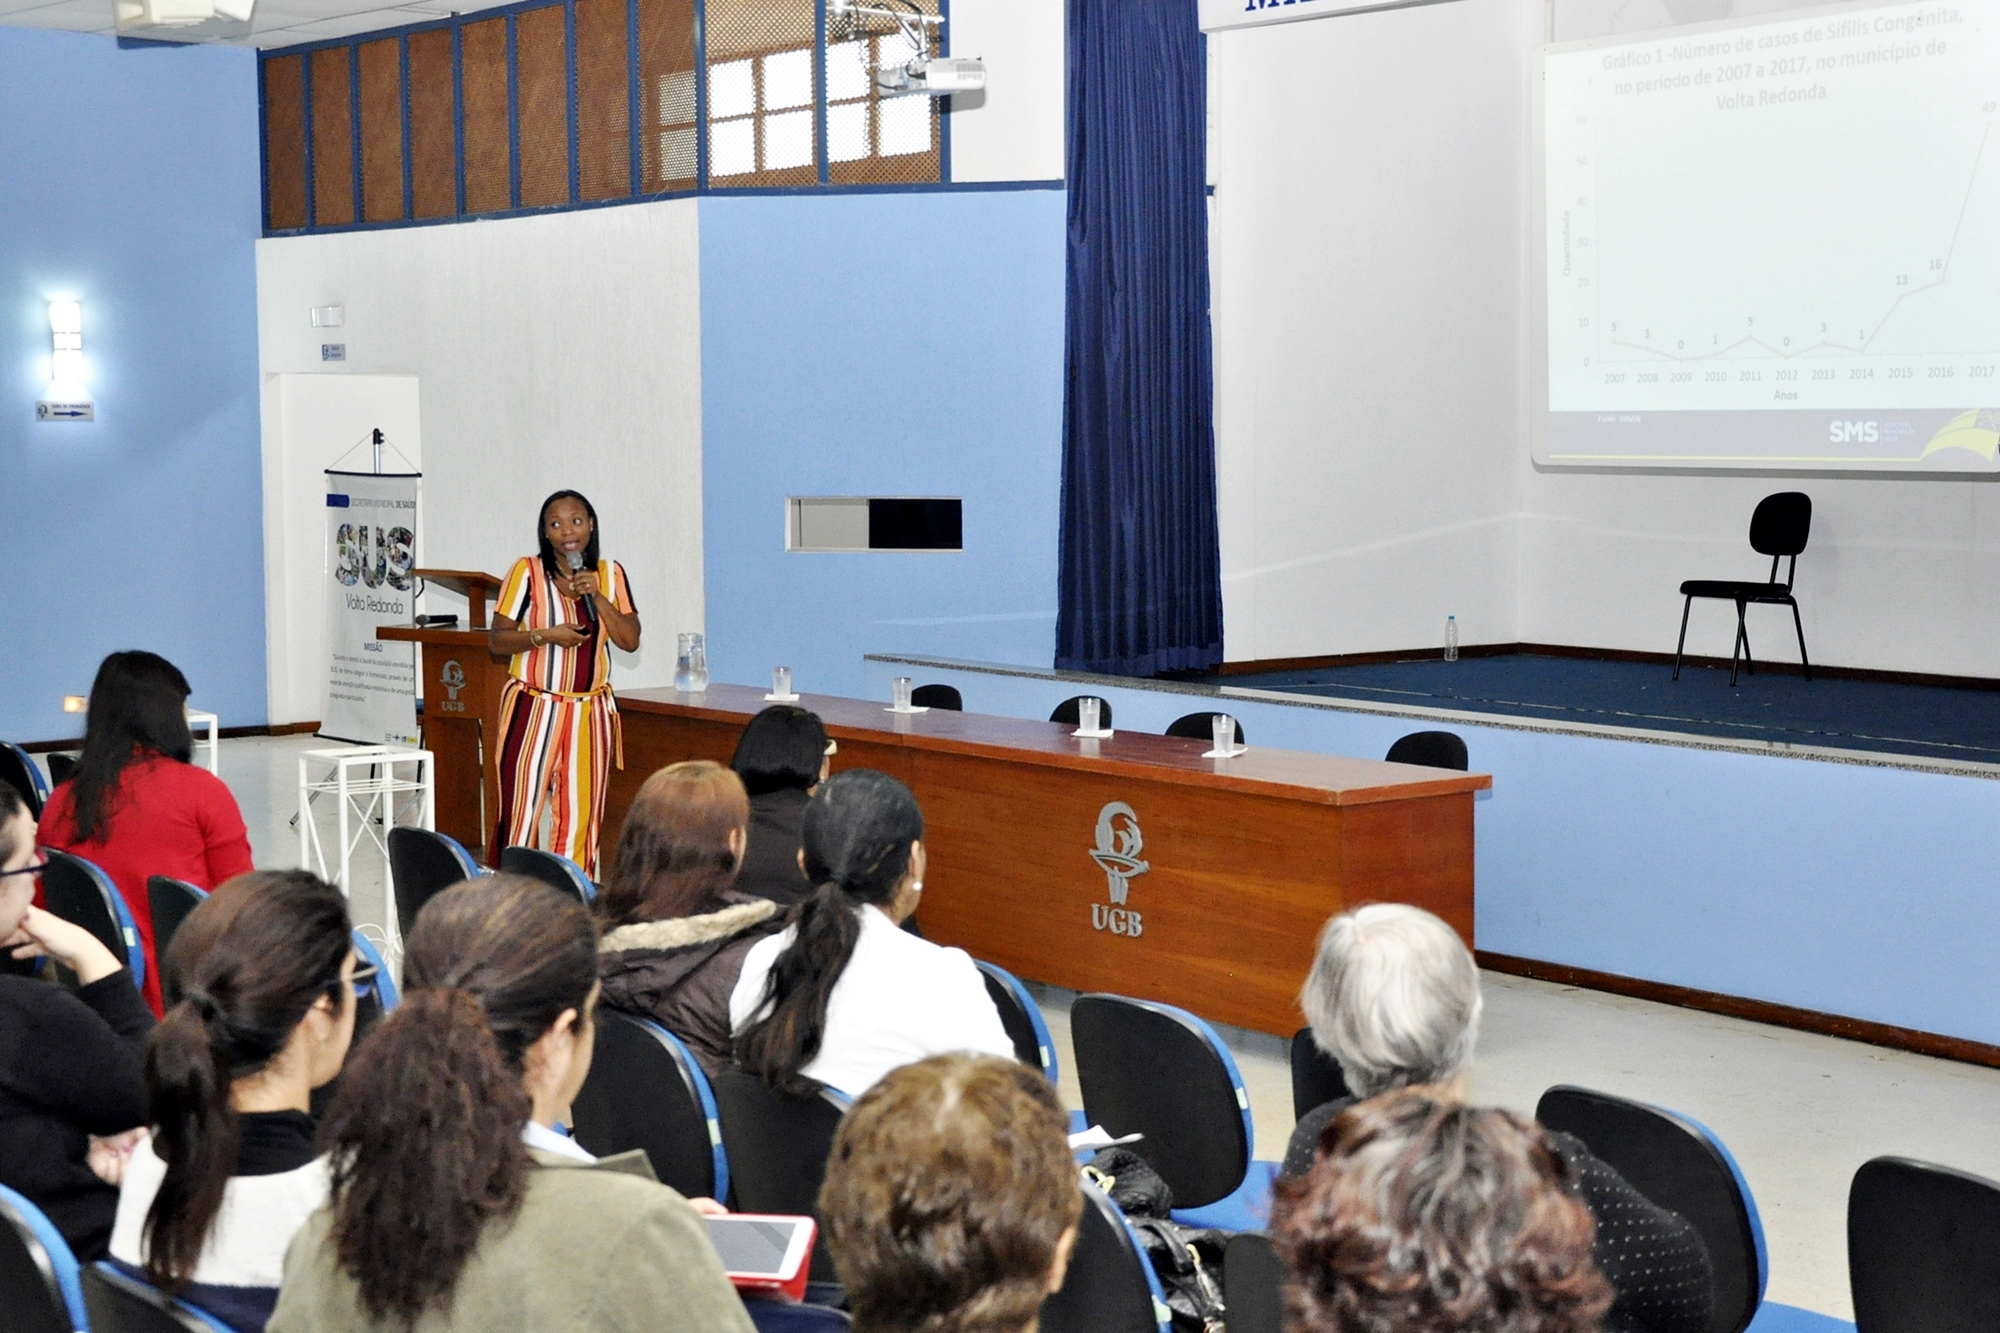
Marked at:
<point>1451,638</point>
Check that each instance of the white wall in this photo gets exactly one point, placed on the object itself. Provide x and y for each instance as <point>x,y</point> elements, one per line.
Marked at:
<point>312,422</point>
<point>555,351</point>
<point>1368,252</point>
<point>1371,317</point>
<point>1012,131</point>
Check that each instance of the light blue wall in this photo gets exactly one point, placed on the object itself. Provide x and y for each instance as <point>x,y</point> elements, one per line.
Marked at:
<point>129,181</point>
<point>1849,889</point>
<point>884,344</point>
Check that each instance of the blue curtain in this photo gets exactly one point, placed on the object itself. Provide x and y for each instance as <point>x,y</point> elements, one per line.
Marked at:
<point>1140,579</point>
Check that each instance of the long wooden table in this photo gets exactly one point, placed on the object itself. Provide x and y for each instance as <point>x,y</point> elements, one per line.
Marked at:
<point>1130,864</point>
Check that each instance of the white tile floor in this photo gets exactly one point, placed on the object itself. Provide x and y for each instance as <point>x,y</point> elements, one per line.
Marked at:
<point>1799,1112</point>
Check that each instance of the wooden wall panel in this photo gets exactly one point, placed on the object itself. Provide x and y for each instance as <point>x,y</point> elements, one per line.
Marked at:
<point>541,61</point>
<point>382,130</point>
<point>433,136</point>
<point>666,95</point>
<point>603,101</point>
<point>488,155</point>
<point>285,143</point>
<point>332,138</point>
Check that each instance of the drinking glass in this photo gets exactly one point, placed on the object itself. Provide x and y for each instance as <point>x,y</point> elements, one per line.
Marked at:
<point>902,694</point>
<point>781,682</point>
<point>1225,732</point>
<point>1086,715</point>
<point>691,665</point>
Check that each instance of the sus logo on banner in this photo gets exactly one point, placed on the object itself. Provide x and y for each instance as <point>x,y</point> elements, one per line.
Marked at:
<point>370,694</point>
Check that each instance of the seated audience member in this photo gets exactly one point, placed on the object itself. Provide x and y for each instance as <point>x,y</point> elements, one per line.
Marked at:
<point>842,996</point>
<point>1393,996</point>
<point>782,756</point>
<point>136,806</point>
<point>265,968</point>
<point>456,1204</point>
<point>676,932</point>
<point>69,1061</point>
<point>950,1200</point>
<point>1424,1215</point>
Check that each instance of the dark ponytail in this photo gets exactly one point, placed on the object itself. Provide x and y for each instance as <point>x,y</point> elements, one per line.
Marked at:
<point>426,1128</point>
<point>249,962</point>
<point>857,832</point>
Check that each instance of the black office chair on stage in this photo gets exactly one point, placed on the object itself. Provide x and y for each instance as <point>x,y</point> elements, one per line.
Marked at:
<point>423,864</point>
<point>1110,1286</point>
<point>1778,528</point>
<point>82,894</point>
<point>121,1304</point>
<point>777,1148</point>
<point>1430,749</point>
<point>18,771</point>
<point>1200,727</point>
<point>1022,1018</point>
<point>552,869</point>
<point>1066,711</point>
<point>40,1288</point>
<point>1679,1164</point>
<point>1923,1248</point>
<point>946,697</point>
<point>1253,1278</point>
<point>1316,1076</point>
<point>62,767</point>
<point>645,1090</point>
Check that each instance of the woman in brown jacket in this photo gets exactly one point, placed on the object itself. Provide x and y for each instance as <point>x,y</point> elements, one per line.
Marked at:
<point>675,931</point>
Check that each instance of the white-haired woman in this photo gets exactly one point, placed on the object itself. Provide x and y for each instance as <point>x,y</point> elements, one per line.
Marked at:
<point>1393,997</point>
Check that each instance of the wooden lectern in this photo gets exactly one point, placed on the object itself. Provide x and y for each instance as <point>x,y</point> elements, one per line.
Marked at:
<point>461,693</point>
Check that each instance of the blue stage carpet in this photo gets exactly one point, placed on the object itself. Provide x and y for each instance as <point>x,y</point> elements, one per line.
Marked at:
<point>1930,721</point>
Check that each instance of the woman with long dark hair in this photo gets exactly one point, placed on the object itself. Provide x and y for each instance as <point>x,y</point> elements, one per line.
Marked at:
<point>456,1204</point>
<point>69,1081</point>
<point>558,616</point>
<point>844,995</point>
<point>136,806</point>
<point>782,756</point>
<point>266,970</point>
<point>676,929</point>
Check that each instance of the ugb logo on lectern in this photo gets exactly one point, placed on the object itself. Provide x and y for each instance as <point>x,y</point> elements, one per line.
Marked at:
<point>1119,843</point>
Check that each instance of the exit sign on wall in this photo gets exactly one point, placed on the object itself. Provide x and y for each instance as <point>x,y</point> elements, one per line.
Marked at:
<point>1217,15</point>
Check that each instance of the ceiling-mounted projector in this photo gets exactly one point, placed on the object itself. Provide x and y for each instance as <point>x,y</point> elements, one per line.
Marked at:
<point>151,15</point>
<point>938,76</point>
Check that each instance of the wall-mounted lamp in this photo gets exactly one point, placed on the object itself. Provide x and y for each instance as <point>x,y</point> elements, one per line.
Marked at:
<point>68,399</point>
<point>75,703</point>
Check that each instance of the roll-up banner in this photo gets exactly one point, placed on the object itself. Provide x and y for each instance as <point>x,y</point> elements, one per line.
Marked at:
<point>370,694</point>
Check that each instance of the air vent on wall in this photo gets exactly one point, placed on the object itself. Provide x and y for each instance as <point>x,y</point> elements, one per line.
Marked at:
<point>874,523</point>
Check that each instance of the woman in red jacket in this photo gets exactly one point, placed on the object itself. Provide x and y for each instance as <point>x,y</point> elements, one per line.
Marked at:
<point>136,806</point>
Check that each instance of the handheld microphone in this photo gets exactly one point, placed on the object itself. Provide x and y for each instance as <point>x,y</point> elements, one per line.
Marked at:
<point>589,611</point>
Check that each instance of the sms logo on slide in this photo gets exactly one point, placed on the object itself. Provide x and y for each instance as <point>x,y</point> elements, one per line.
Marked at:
<point>1853,432</point>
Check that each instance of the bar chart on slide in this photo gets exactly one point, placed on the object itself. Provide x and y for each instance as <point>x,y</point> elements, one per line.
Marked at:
<point>1798,215</point>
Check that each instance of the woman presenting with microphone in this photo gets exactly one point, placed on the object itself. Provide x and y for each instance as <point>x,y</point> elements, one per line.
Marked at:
<point>558,614</point>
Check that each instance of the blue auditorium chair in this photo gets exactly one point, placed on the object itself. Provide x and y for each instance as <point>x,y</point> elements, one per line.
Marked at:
<point>1022,1018</point>
<point>1110,1286</point>
<point>1149,1068</point>
<point>1923,1248</point>
<point>646,1090</point>
<point>40,1289</point>
<point>81,893</point>
<point>1681,1165</point>
<point>122,1304</point>
<point>422,864</point>
<point>558,872</point>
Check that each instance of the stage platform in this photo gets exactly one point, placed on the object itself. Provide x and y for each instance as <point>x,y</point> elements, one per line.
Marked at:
<point>1927,721</point>
<point>1660,851</point>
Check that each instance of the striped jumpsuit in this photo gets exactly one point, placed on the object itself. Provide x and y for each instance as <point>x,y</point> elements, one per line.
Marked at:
<point>559,731</point>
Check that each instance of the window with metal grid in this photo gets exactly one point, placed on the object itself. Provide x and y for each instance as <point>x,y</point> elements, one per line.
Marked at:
<point>572,102</point>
